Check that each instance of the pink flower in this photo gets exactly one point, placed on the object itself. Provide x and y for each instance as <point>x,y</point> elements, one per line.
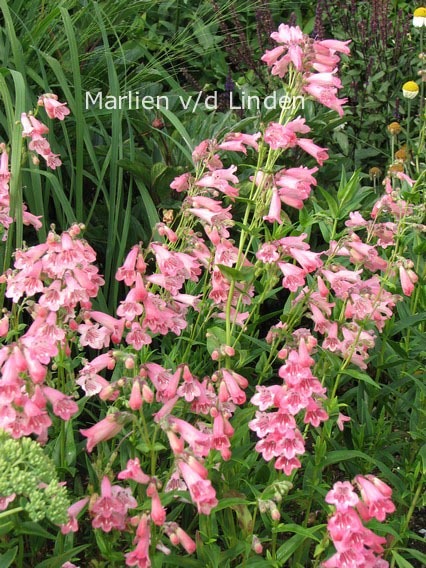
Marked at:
<point>158,512</point>
<point>326,96</point>
<point>231,386</point>
<point>342,495</point>
<point>133,471</point>
<point>236,141</point>
<point>186,541</point>
<point>341,420</point>
<point>53,107</point>
<point>63,405</point>
<point>336,45</point>
<point>275,208</point>
<point>73,511</point>
<point>218,179</point>
<point>108,510</point>
<point>294,276</point>
<point>320,154</point>
<point>5,501</point>
<point>376,496</point>
<point>198,441</point>
<point>200,489</point>
<point>181,183</point>
<point>356,220</point>
<point>127,272</point>
<point>103,430</point>
<point>140,556</point>
<point>279,136</point>
<point>295,185</point>
<point>408,279</point>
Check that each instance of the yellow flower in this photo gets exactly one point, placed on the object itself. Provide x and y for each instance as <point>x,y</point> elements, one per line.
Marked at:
<point>401,154</point>
<point>419,18</point>
<point>410,90</point>
<point>395,168</point>
<point>394,128</point>
<point>375,172</point>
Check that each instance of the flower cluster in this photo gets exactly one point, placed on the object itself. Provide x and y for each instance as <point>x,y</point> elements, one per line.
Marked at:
<point>197,272</point>
<point>355,544</point>
<point>301,391</point>
<point>316,60</point>
<point>61,275</point>
<point>36,130</point>
<point>28,476</point>
<point>7,216</point>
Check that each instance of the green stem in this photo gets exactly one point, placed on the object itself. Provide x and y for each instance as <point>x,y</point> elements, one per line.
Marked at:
<point>9,512</point>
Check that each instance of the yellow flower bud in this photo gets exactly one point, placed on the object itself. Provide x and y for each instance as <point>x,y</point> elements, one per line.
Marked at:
<point>410,90</point>
<point>394,128</point>
<point>419,18</point>
<point>375,172</point>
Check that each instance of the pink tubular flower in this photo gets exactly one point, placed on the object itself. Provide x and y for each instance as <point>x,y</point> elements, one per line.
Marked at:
<point>342,496</point>
<point>140,555</point>
<point>181,183</point>
<point>63,405</point>
<point>53,107</point>
<point>218,179</point>
<point>127,272</point>
<point>408,279</point>
<point>186,541</point>
<point>274,213</point>
<point>355,545</point>
<point>278,136</point>
<point>295,185</point>
<point>201,490</point>
<point>158,512</point>
<point>73,512</point>
<point>133,471</point>
<point>320,154</point>
<point>376,496</point>
<point>336,45</point>
<point>237,142</point>
<point>5,501</point>
<point>110,509</point>
<point>341,421</point>
<point>103,430</point>
<point>294,276</point>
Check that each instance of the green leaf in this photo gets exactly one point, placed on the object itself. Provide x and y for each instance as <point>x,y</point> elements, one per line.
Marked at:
<point>289,548</point>
<point>8,557</point>
<point>245,274</point>
<point>422,454</point>
<point>230,502</point>
<point>362,377</point>
<point>331,202</point>
<point>408,321</point>
<point>34,529</point>
<point>416,554</point>
<point>59,560</point>
<point>297,529</point>
<point>402,563</point>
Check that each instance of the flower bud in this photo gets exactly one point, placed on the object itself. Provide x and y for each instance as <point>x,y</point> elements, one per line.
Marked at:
<point>394,128</point>
<point>410,90</point>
